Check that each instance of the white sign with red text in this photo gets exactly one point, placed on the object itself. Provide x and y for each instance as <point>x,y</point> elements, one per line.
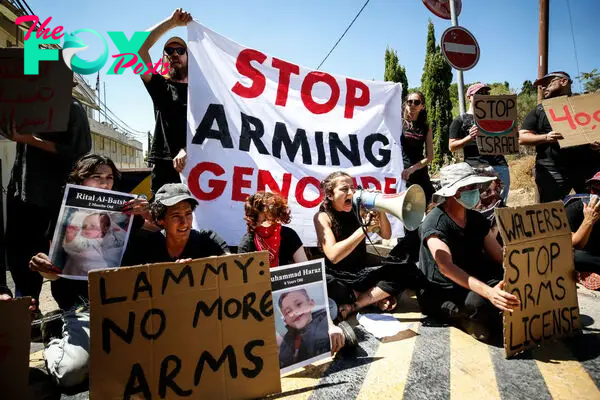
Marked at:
<point>257,122</point>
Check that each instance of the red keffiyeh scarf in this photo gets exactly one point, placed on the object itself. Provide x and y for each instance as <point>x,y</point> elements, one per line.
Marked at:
<point>269,238</point>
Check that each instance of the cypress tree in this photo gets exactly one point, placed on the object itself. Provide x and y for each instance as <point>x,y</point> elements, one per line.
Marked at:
<point>435,84</point>
<point>394,72</point>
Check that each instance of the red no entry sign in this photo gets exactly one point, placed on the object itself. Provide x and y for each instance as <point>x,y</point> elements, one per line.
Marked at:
<point>441,8</point>
<point>460,48</point>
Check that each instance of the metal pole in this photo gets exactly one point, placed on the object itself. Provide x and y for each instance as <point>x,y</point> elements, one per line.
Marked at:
<point>459,74</point>
<point>543,43</point>
<point>105,120</point>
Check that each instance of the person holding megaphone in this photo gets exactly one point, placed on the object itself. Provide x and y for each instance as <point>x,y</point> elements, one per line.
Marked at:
<point>341,234</point>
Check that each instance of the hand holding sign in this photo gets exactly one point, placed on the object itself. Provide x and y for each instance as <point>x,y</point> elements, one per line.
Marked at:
<point>554,137</point>
<point>503,300</point>
<point>473,132</point>
<point>591,210</point>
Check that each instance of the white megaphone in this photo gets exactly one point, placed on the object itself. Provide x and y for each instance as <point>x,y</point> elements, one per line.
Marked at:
<point>408,206</point>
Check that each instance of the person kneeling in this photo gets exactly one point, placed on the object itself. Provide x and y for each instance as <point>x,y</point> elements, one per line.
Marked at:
<point>461,258</point>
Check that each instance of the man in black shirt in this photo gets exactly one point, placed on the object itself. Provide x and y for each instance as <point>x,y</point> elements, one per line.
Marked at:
<point>172,209</point>
<point>557,170</point>
<point>583,218</point>
<point>42,165</point>
<point>169,96</point>
<point>463,134</point>
<point>461,258</point>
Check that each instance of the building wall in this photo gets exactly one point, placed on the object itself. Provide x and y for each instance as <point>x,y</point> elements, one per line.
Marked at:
<point>123,155</point>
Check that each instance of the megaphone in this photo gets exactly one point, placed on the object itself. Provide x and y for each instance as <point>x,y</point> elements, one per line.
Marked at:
<point>408,206</point>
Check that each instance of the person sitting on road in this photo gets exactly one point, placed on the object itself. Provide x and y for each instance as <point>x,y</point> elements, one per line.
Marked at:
<point>172,210</point>
<point>67,338</point>
<point>265,214</point>
<point>350,282</point>
<point>583,215</point>
<point>307,330</point>
<point>461,258</point>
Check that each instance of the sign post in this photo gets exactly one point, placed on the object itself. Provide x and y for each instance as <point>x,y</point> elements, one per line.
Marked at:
<point>459,74</point>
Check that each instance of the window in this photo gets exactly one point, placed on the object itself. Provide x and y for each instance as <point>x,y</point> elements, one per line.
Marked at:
<point>102,144</point>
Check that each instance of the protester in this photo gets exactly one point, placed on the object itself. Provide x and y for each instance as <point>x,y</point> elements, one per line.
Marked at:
<point>583,215</point>
<point>306,335</point>
<point>265,214</point>
<point>100,172</point>
<point>350,282</point>
<point>169,96</point>
<point>41,168</point>
<point>461,258</point>
<point>557,170</point>
<point>416,136</point>
<point>463,134</point>
<point>172,210</point>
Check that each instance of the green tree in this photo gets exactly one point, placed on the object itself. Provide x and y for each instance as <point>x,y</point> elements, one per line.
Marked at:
<point>591,80</point>
<point>528,88</point>
<point>394,72</point>
<point>435,85</point>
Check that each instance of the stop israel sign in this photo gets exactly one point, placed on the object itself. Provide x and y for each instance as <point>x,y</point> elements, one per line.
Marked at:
<point>460,48</point>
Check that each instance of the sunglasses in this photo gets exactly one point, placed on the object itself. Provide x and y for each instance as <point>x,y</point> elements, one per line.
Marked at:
<point>170,50</point>
<point>413,102</point>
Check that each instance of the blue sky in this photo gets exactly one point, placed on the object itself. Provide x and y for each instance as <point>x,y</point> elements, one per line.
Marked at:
<point>304,31</point>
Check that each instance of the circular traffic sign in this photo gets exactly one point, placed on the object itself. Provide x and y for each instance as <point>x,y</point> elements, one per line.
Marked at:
<point>460,48</point>
<point>441,8</point>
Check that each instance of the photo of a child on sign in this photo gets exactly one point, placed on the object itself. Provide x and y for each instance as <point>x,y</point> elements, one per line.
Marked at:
<point>91,240</point>
<point>302,326</point>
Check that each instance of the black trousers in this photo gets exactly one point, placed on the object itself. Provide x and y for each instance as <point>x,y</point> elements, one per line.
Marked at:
<point>392,278</point>
<point>464,309</point>
<point>69,293</point>
<point>26,235</point>
<point>554,184</point>
<point>163,172</point>
<point>421,178</point>
<point>586,261</point>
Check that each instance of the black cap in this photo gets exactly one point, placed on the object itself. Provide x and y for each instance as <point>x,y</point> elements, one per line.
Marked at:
<point>552,75</point>
<point>173,193</point>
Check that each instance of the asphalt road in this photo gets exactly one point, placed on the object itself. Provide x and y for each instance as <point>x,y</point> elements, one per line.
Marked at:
<point>441,362</point>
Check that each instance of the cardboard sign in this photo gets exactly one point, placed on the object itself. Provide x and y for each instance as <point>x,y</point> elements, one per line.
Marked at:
<point>301,305</point>
<point>203,329</point>
<point>576,117</point>
<point>539,270</point>
<point>38,103</point>
<point>496,117</point>
<point>15,334</point>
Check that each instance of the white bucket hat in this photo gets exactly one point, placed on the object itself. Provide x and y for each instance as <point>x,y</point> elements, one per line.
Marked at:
<point>456,176</point>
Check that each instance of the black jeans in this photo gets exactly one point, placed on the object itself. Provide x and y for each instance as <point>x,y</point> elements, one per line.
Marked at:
<point>464,309</point>
<point>69,293</point>
<point>163,172</point>
<point>26,235</point>
<point>586,261</point>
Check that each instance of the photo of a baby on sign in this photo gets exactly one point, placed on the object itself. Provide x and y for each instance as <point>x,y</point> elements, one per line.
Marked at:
<point>91,233</point>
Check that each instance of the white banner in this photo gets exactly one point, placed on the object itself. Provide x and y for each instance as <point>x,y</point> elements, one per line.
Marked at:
<point>256,122</point>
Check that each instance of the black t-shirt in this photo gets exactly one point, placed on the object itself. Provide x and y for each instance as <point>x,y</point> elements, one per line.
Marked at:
<point>413,142</point>
<point>170,112</point>
<point>290,243</point>
<point>551,154</point>
<point>343,225</point>
<point>152,248</point>
<point>466,246</point>
<point>574,210</point>
<point>460,129</point>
